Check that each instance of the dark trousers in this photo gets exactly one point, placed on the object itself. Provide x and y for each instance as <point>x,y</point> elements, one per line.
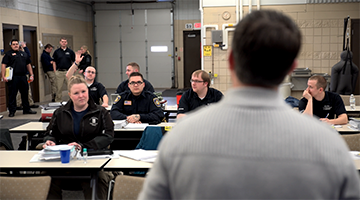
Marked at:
<point>18,83</point>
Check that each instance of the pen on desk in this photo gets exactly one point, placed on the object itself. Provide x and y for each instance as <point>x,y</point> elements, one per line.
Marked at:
<point>327,115</point>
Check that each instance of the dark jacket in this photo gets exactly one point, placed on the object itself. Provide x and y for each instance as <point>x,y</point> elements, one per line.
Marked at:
<point>85,62</point>
<point>46,61</point>
<point>146,105</point>
<point>344,75</point>
<point>96,128</point>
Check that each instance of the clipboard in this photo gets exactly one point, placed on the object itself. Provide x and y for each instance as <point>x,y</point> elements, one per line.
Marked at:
<point>9,73</point>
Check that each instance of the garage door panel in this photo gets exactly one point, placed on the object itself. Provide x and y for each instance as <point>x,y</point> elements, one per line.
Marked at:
<point>135,34</point>
<point>109,79</point>
<point>107,33</point>
<point>107,18</point>
<point>127,19</point>
<point>155,34</point>
<point>133,49</point>
<point>108,49</point>
<point>159,16</point>
<point>106,64</point>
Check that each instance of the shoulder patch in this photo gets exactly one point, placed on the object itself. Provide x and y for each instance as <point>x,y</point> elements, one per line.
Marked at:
<point>156,102</point>
<point>117,99</point>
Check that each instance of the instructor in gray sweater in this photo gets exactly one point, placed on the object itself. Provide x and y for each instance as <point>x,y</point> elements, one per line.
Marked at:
<point>251,145</point>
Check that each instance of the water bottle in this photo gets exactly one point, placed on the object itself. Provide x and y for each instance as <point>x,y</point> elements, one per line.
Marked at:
<point>85,155</point>
<point>352,102</point>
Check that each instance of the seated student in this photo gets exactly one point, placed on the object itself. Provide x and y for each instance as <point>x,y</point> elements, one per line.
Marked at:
<point>83,124</point>
<point>130,68</point>
<point>97,90</point>
<point>137,105</point>
<point>200,93</point>
<point>323,104</point>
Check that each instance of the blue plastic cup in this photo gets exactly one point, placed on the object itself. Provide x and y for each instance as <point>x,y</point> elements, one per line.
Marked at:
<point>65,156</point>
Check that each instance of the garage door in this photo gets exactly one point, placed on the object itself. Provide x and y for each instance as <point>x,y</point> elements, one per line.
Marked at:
<point>142,36</point>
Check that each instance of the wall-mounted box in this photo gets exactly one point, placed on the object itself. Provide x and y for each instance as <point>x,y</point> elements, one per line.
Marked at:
<point>217,36</point>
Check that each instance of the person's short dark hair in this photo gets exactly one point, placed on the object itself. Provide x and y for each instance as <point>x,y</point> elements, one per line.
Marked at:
<point>265,46</point>
<point>48,46</point>
<point>320,81</point>
<point>204,76</point>
<point>14,40</point>
<point>63,38</point>
<point>136,74</point>
<point>134,65</point>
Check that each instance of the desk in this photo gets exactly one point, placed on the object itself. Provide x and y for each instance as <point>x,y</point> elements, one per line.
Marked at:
<point>20,160</point>
<point>348,109</point>
<point>168,110</point>
<point>128,138</point>
<point>344,129</point>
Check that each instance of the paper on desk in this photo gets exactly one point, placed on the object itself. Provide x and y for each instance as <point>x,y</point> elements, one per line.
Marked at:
<point>119,124</point>
<point>114,155</point>
<point>355,155</point>
<point>143,155</point>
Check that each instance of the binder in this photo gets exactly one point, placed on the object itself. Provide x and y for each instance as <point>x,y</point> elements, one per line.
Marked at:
<point>9,73</point>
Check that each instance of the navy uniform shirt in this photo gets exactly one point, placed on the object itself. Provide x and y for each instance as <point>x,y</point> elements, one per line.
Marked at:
<point>190,100</point>
<point>18,60</point>
<point>64,58</point>
<point>46,61</point>
<point>331,104</point>
<point>85,62</point>
<point>97,91</point>
<point>125,87</point>
<point>146,105</point>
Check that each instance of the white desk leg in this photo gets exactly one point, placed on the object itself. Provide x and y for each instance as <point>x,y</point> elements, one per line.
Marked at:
<point>27,141</point>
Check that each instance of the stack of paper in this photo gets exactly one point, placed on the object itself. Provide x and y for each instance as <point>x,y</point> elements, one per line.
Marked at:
<point>147,156</point>
<point>119,124</point>
<point>53,152</point>
<point>9,73</point>
<point>355,123</point>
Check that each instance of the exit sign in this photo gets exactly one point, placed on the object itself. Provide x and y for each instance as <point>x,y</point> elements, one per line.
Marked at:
<point>197,25</point>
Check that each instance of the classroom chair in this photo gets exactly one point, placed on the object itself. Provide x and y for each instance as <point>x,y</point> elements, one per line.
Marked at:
<point>353,141</point>
<point>24,187</point>
<point>127,187</point>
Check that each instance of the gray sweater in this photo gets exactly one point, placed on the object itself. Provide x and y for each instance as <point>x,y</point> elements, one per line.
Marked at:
<point>251,145</point>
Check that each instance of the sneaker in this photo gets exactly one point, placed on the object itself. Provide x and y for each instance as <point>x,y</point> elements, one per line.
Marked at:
<point>11,114</point>
<point>34,106</point>
<point>29,112</point>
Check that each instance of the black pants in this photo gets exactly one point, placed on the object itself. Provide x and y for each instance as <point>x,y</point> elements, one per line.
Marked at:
<point>18,83</point>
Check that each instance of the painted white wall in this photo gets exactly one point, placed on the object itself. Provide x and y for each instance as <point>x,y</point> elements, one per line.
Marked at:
<point>57,8</point>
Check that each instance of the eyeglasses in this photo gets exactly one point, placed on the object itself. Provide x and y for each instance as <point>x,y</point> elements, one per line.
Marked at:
<point>195,81</point>
<point>90,72</point>
<point>136,83</point>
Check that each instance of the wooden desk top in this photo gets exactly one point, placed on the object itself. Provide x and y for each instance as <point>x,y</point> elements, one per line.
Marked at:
<point>348,109</point>
<point>21,160</point>
<point>346,129</point>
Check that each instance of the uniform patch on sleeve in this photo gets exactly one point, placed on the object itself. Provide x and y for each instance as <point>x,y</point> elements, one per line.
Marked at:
<point>127,103</point>
<point>117,99</point>
<point>156,102</point>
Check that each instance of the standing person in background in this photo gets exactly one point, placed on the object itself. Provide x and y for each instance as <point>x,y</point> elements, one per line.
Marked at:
<point>251,144</point>
<point>86,61</point>
<point>20,63</point>
<point>64,58</point>
<point>49,68</point>
<point>23,47</point>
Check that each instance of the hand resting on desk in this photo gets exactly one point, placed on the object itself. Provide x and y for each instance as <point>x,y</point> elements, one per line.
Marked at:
<point>51,143</point>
